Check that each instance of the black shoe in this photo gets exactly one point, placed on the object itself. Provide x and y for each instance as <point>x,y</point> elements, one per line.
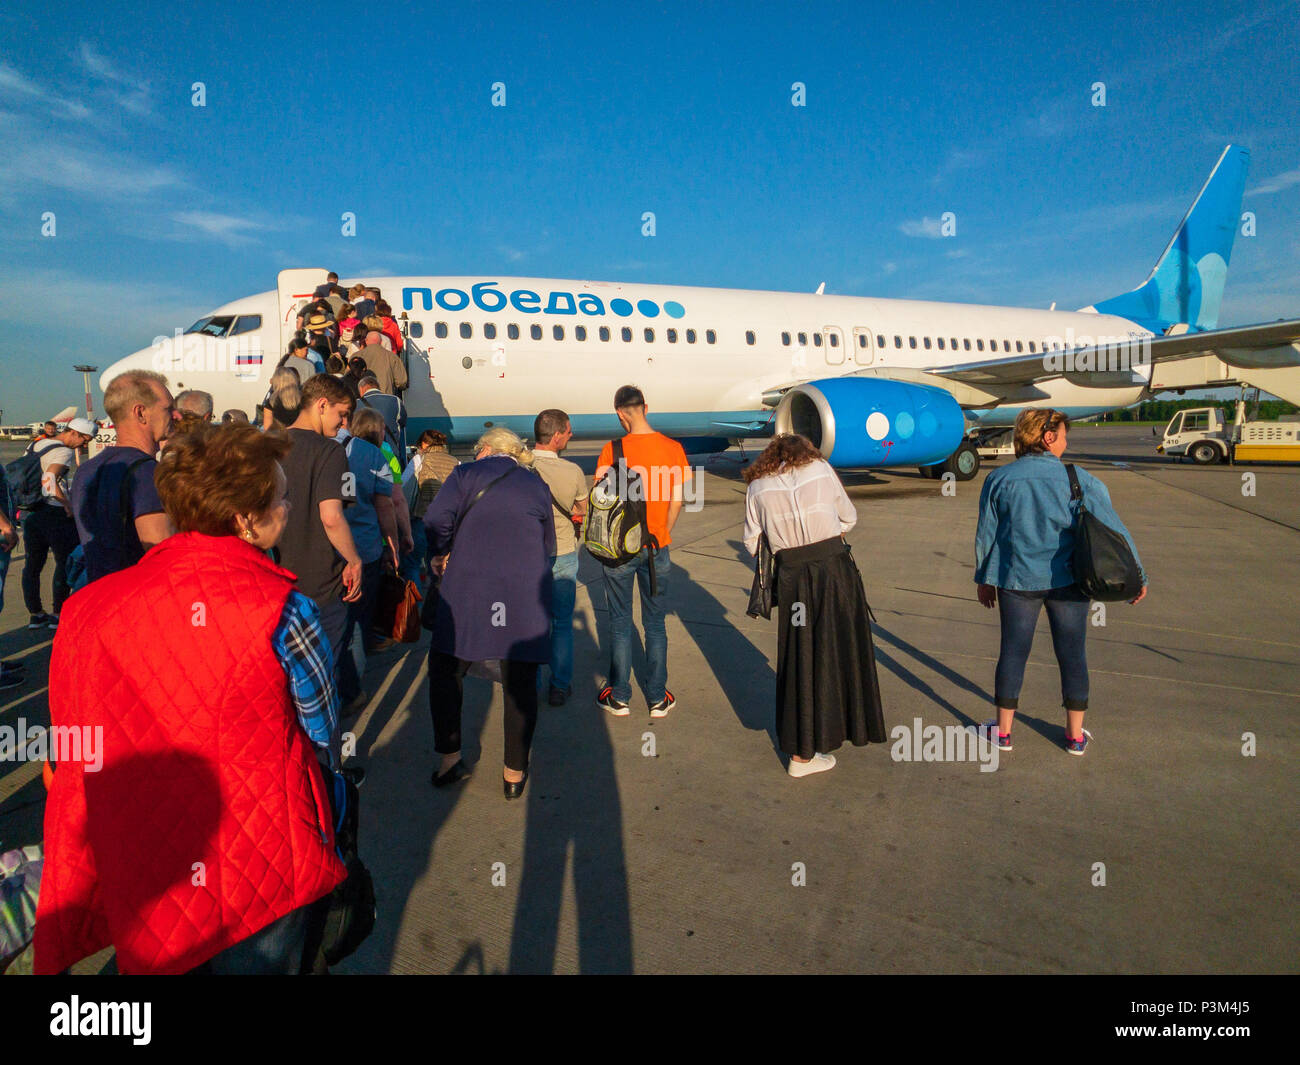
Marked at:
<point>514,788</point>
<point>38,621</point>
<point>11,680</point>
<point>557,696</point>
<point>454,775</point>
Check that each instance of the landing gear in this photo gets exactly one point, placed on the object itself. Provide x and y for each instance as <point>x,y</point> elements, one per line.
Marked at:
<point>963,464</point>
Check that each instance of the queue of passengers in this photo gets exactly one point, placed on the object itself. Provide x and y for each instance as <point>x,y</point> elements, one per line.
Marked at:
<point>251,557</point>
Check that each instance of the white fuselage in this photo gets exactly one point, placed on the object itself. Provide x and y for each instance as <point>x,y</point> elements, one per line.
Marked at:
<point>707,377</point>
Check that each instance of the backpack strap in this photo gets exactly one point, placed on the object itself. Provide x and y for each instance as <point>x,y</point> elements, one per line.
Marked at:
<point>1076,493</point>
<point>470,505</point>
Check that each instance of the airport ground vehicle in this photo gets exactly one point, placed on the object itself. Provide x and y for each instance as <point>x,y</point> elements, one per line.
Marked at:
<point>1202,435</point>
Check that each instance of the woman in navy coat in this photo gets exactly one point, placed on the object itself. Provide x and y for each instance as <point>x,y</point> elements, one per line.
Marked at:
<point>493,539</point>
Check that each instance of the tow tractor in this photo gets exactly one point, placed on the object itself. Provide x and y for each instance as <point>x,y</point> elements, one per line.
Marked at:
<point>1201,434</point>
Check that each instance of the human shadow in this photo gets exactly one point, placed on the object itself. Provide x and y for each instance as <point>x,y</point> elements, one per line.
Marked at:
<point>574,808</point>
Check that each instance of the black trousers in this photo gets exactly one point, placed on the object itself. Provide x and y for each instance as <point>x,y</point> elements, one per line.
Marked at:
<point>447,691</point>
<point>47,528</point>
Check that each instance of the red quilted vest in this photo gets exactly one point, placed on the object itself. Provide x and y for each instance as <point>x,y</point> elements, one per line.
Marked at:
<point>208,818</point>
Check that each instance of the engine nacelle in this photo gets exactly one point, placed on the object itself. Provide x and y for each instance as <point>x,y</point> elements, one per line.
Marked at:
<point>872,421</point>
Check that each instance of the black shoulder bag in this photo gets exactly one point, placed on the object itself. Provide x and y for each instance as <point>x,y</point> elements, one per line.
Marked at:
<point>762,593</point>
<point>1104,566</point>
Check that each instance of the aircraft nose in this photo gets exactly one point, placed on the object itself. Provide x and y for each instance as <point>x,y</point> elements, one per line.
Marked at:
<point>140,360</point>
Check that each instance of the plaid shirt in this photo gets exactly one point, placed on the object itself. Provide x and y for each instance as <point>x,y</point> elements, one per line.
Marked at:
<point>300,644</point>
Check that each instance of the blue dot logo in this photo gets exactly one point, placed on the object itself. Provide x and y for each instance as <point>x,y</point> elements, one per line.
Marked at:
<point>648,308</point>
<point>620,307</point>
<point>674,309</point>
<point>929,423</point>
<point>904,424</point>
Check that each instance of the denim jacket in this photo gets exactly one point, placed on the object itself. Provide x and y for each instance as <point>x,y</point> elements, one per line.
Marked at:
<point>1025,537</point>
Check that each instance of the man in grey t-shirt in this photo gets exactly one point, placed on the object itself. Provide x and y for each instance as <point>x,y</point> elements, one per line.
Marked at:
<point>568,484</point>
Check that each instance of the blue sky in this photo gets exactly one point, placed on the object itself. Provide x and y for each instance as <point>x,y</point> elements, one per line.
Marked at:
<point>164,210</point>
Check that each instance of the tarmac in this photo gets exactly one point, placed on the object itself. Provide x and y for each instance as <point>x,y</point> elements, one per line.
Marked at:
<point>682,846</point>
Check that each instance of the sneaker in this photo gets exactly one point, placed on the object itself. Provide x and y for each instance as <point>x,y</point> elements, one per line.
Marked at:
<point>12,667</point>
<point>11,680</point>
<point>38,621</point>
<point>51,621</point>
<point>819,764</point>
<point>990,728</point>
<point>1080,745</point>
<point>661,708</point>
<point>557,696</point>
<point>606,700</point>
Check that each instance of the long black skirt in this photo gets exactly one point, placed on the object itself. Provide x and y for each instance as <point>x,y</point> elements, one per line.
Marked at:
<point>826,686</point>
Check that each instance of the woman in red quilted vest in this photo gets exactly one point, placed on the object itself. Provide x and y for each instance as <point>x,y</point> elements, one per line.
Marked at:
<point>191,827</point>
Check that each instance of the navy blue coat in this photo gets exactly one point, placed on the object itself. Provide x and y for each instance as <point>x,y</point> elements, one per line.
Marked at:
<point>495,599</point>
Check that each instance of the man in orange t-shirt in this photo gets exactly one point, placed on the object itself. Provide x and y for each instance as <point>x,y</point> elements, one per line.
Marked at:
<point>661,463</point>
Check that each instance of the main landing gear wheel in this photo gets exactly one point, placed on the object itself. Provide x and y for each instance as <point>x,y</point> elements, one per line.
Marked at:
<point>964,463</point>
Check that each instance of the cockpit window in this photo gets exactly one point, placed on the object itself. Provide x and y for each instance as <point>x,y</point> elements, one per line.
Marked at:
<point>217,326</point>
<point>246,323</point>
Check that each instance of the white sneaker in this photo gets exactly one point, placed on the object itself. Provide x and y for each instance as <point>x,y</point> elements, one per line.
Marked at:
<point>819,764</point>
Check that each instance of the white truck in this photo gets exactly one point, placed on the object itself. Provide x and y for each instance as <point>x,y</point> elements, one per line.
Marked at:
<point>1202,435</point>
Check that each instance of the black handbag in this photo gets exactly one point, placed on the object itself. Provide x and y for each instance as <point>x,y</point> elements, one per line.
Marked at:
<point>762,593</point>
<point>1105,568</point>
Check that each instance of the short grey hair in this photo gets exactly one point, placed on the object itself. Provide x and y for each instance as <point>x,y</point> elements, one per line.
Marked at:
<point>128,389</point>
<point>193,399</point>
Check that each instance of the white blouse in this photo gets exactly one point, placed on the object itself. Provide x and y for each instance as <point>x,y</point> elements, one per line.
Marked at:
<point>797,507</point>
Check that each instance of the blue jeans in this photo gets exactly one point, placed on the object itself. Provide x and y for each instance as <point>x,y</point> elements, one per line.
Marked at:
<point>564,592</point>
<point>413,561</point>
<point>1067,613</point>
<point>618,597</point>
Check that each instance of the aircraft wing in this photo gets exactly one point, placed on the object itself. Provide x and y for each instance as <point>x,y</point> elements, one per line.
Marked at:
<point>1271,346</point>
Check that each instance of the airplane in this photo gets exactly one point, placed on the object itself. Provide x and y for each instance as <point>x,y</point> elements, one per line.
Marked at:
<point>872,382</point>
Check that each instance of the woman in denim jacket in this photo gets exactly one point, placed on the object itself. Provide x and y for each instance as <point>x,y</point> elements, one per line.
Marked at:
<point>1023,550</point>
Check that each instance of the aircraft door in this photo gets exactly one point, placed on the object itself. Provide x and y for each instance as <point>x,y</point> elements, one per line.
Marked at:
<point>833,345</point>
<point>863,351</point>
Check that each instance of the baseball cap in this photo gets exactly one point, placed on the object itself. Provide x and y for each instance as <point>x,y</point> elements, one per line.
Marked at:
<point>84,426</point>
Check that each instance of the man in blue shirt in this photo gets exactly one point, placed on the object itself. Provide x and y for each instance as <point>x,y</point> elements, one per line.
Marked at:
<point>118,513</point>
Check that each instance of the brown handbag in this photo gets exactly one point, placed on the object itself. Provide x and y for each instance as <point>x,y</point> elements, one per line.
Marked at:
<point>397,612</point>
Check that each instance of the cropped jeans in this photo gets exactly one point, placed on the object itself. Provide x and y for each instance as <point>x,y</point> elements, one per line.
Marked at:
<point>1067,614</point>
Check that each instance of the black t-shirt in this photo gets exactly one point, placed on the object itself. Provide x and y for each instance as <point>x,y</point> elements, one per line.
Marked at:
<point>314,468</point>
<point>99,494</point>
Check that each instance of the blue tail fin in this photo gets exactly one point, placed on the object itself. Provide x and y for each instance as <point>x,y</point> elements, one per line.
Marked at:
<point>1187,283</point>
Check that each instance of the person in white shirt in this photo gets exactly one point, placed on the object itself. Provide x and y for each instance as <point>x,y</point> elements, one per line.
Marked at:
<point>826,685</point>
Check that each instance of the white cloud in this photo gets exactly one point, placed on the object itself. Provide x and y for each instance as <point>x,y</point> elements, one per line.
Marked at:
<point>927,227</point>
<point>14,82</point>
<point>136,94</point>
<point>228,229</point>
<point>1276,183</point>
<point>94,172</point>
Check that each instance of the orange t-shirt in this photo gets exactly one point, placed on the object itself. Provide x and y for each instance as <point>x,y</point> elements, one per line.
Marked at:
<point>661,462</point>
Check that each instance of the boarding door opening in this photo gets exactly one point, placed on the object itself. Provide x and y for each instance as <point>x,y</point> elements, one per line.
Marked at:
<point>863,352</point>
<point>833,345</point>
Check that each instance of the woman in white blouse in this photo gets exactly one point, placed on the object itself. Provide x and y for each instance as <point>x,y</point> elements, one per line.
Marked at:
<point>826,686</point>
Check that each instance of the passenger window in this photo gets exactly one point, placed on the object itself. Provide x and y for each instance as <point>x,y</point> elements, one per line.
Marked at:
<point>817,340</point>
<point>466,330</point>
<point>966,343</point>
<point>710,336</point>
<point>979,344</point>
<point>954,343</point>
<point>604,332</point>
<point>690,336</point>
<point>579,332</point>
<point>512,331</point>
<point>649,336</point>
<point>862,340</point>
<point>440,330</point>
<point>880,340</point>
<point>1006,345</point>
<point>785,339</point>
<point>246,323</point>
<point>749,336</point>
<point>898,341</point>
<point>627,334</point>
<point>1019,346</point>
<point>489,331</point>
<point>926,341</point>
<point>672,336</point>
<point>535,331</point>
<point>940,343</point>
<point>912,341</point>
<point>803,340</point>
<point>835,340</point>
<point>557,331</point>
